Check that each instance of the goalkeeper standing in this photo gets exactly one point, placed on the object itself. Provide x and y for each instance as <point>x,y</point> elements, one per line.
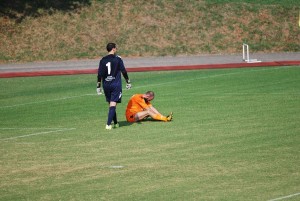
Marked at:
<point>109,73</point>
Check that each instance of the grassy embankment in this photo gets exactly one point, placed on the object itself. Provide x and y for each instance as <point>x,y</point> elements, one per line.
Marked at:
<point>151,28</point>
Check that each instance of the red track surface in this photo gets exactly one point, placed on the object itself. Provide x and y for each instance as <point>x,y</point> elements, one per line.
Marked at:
<point>156,68</point>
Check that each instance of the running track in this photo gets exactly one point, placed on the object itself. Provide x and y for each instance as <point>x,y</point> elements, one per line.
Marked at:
<point>154,68</point>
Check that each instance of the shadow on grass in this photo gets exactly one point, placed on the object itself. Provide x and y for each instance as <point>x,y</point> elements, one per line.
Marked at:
<point>20,9</point>
<point>126,123</point>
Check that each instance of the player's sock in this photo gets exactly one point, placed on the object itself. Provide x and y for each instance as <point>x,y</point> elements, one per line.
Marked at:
<point>115,118</point>
<point>160,117</point>
<point>111,114</point>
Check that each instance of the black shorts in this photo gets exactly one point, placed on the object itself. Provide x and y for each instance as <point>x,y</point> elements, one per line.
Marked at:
<point>113,93</point>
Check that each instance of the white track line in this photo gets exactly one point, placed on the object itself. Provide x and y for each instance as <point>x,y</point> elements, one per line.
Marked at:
<point>40,133</point>
<point>285,197</point>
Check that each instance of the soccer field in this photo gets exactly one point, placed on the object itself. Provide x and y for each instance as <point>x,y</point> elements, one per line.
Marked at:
<point>235,136</point>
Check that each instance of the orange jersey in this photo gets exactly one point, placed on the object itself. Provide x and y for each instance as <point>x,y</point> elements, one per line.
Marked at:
<point>136,104</point>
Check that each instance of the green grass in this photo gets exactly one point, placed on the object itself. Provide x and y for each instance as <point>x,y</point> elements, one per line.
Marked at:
<point>235,136</point>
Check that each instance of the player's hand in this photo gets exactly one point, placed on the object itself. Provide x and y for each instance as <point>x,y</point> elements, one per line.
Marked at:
<point>128,86</point>
<point>99,91</point>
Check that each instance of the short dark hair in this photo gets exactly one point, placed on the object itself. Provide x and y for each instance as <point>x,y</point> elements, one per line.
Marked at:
<point>150,93</point>
<point>110,46</point>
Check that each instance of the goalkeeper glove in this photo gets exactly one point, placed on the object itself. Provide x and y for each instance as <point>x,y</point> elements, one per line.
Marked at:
<point>99,90</point>
<point>128,85</point>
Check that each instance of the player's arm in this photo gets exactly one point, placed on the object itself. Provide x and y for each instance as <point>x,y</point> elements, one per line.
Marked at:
<point>98,89</point>
<point>154,110</point>
<point>125,74</point>
<point>139,101</point>
<point>128,83</point>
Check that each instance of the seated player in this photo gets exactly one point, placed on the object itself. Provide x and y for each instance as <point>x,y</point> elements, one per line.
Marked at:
<point>139,108</point>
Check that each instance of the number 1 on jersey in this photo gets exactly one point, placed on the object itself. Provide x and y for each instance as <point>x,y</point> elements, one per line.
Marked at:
<point>108,68</point>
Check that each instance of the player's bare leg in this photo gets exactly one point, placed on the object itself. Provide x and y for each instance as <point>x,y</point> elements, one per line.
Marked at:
<point>155,111</point>
<point>157,116</point>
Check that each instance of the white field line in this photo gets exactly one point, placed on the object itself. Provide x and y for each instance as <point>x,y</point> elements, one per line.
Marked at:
<point>157,84</point>
<point>39,133</point>
<point>245,93</point>
<point>235,93</point>
<point>45,101</point>
<point>213,76</point>
<point>32,128</point>
<point>285,197</point>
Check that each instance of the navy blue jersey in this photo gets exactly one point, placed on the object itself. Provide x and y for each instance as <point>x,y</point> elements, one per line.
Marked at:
<point>110,68</point>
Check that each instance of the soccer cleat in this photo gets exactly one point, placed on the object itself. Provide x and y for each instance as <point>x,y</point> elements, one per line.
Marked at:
<point>116,125</point>
<point>108,127</point>
<point>170,116</point>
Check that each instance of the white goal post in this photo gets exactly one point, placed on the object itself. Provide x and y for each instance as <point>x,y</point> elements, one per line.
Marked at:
<point>246,55</point>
